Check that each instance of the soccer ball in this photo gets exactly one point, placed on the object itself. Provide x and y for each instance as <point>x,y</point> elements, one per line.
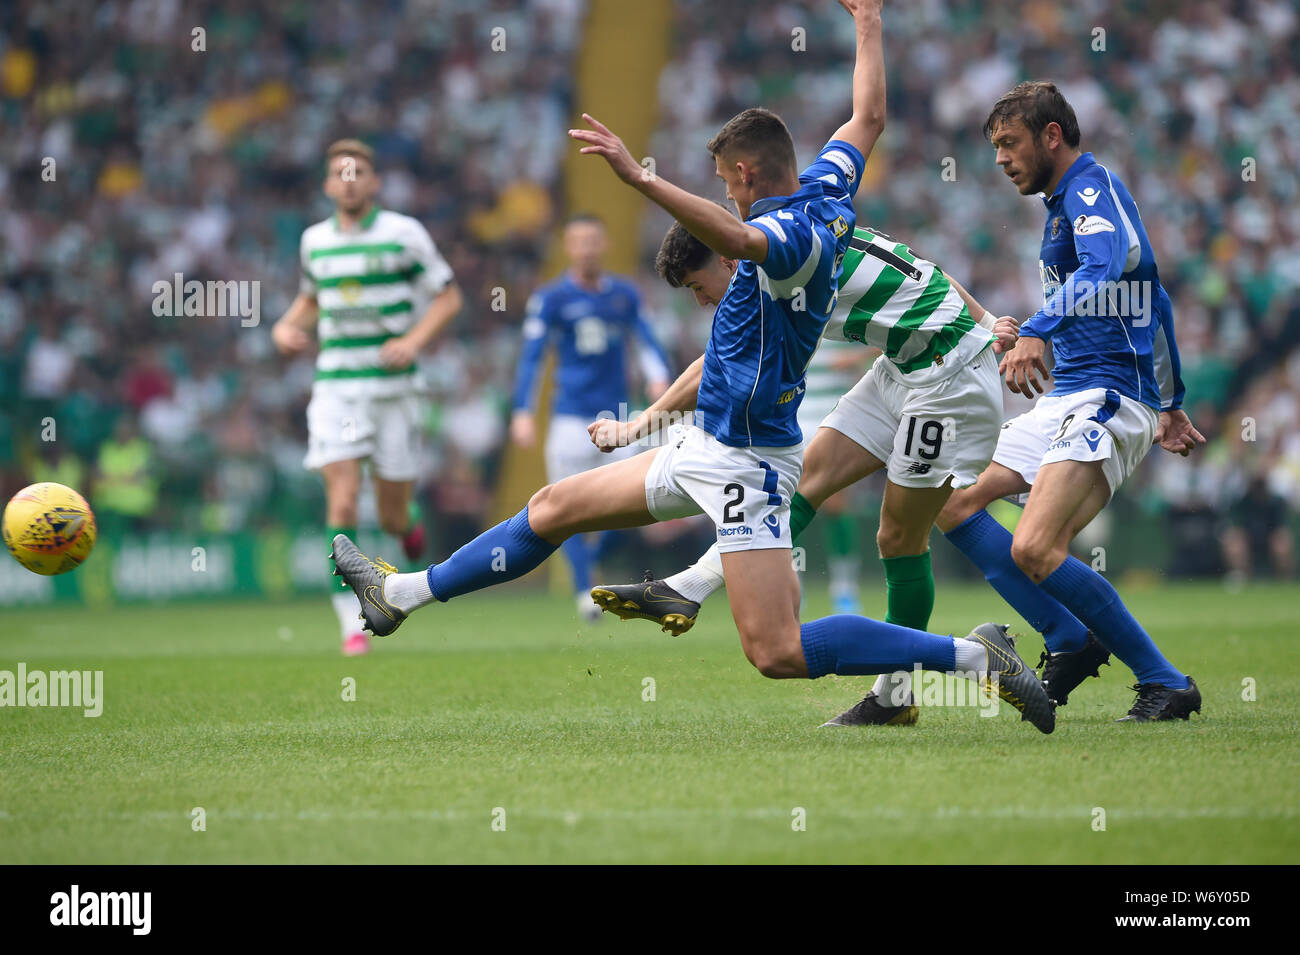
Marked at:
<point>49,528</point>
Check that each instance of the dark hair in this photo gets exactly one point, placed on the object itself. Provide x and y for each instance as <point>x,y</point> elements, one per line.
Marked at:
<point>1035,103</point>
<point>589,217</point>
<point>679,253</point>
<point>760,136</point>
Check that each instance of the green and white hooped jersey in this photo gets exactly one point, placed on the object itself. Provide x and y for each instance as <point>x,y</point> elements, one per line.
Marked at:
<point>371,284</point>
<point>904,305</point>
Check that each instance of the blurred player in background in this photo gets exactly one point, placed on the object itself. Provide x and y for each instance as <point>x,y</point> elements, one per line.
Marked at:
<point>1118,390</point>
<point>589,316</point>
<point>377,292</point>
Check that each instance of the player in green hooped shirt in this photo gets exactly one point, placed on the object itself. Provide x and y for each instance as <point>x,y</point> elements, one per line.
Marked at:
<point>929,411</point>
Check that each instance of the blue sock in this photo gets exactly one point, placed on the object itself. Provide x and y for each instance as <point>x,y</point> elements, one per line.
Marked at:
<point>988,544</point>
<point>505,552</point>
<point>1095,601</point>
<point>576,550</point>
<point>850,645</point>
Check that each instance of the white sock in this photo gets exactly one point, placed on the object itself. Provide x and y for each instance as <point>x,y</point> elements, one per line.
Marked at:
<point>408,592</point>
<point>893,686</point>
<point>348,611</point>
<point>844,576</point>
<point>697,581</point>
<point>972,658</point>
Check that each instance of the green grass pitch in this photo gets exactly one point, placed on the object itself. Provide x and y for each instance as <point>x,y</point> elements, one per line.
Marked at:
<point>502,702</point>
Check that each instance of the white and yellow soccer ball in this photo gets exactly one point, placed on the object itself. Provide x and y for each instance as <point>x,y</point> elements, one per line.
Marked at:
<point>49,528</point>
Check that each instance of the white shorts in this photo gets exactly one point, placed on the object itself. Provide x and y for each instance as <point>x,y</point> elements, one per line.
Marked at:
<point>929,434</point>
<point>746,492</point>
<point>569,450</point>
<point>1098,424</point>
<point>388,431</point>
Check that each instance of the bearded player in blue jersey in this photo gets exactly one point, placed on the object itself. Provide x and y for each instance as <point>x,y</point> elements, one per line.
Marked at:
<point>588,316</point>
<point>1117,391</point>
<point>740,461</point>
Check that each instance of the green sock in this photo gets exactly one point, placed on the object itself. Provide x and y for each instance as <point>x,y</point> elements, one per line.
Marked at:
<point>842,536</point>
<point>412,514</point>
<point>337,583</point>
<point>909,586</point>
<point>801,515</point>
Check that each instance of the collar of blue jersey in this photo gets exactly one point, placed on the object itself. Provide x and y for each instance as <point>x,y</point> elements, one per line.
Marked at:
<point>1085,160</point>
<point>603,283</point>
<point>809,192</point>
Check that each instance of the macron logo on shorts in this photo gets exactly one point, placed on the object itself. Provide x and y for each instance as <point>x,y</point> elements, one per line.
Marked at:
<point>1093,438</point>
<point>774,525</point>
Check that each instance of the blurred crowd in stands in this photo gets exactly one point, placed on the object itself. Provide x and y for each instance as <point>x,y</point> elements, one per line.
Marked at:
<point>170,160</point>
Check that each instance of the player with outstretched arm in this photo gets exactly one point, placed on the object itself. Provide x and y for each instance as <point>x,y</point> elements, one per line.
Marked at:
<point>740,461</point>
<point>928,411</point>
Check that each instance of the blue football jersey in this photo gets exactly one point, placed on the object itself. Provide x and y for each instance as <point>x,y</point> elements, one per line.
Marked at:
<point>1109,319</point>
<point>590,331</point>
<point>767,326</point>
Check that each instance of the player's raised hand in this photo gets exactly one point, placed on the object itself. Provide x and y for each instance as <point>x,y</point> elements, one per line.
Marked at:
<point>1007,330</point>
<point>1176,433</point>
<point>1022,366</point>
<point>601,142</point>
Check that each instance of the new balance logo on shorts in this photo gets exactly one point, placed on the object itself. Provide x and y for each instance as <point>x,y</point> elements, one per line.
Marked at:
<point>918,467</point>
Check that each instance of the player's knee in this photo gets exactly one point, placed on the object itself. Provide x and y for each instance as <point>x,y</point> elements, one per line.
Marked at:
<point>773,649</point>
<point>342,513</point>
<point>395,522</point>
<point>1035,556</point>
<point>895,540</point>
<point>773,664</point>
<point>546,511</point>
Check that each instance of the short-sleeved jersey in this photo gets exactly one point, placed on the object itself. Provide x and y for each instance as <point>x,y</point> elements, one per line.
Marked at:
<point>1109,319</point>
<point>903,304</point>
<point>590,330</point>
<point>767,326</point>
<point>370,284</point>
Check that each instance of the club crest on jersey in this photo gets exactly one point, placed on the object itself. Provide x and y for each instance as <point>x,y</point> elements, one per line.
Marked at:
<point>1056,226</point>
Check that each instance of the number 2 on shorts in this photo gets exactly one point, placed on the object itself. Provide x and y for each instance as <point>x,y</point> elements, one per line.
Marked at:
<point>739,516</point>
